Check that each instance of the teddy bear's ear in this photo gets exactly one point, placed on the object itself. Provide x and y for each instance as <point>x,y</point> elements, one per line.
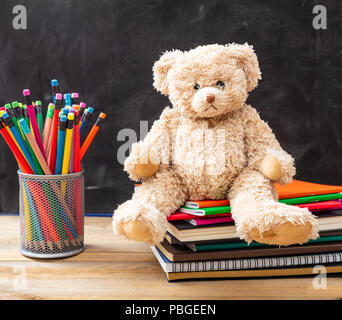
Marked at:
<point>248,60</point>
<point>161,69</point>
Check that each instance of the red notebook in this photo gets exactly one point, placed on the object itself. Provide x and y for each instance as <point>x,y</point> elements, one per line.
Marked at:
<point>207,221</point>
<point>182,216</point>
<point>322,206</point>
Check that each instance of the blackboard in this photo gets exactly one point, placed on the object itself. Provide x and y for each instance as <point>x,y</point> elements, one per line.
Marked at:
<point>105,50</point>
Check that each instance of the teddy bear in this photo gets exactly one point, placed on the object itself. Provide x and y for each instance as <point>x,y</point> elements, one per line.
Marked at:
<point>211,145</point>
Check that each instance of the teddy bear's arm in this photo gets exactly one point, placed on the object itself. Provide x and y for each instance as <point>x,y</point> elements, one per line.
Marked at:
<point>156,149</point>
<point>263,149</point>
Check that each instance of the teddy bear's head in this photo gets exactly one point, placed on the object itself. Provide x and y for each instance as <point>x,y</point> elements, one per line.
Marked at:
<point>207,81</point>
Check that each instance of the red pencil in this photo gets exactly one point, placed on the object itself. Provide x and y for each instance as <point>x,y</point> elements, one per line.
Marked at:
<point>24,166</point>
<point>54,133</point>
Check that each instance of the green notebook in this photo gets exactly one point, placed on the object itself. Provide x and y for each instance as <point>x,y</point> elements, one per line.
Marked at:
<point>205,211</point>
<point>242,244</point>
<point>322,197</point>
<point>291,201</point>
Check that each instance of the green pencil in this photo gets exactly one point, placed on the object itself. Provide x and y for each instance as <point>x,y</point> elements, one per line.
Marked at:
<point>38,106</point>
<point>11,113</point>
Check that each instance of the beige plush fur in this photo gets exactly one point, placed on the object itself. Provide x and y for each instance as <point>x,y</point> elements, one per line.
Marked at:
<point>211,145</point>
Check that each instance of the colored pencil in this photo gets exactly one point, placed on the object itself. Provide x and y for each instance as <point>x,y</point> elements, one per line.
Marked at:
<point>55,89</point>
<point>40,117</point>
<point>67,99</point>
<point>9,131</point>
<point>11,114</point>
<point>34,123</point>
<point>19,114</point>
<point>77,147</point>
<point>82,109</point>
<point>71,160</point>
<point>35,147</point>
<point>20,142</point>
<point>66,156</point>
<point>85,119</point>
<point>61,142</point>
<point>75,98</point>
<point>23,164</point>
<point>47,126</point>
<point>26,116</point>
<point>54,133</point>
<point>92,134</point>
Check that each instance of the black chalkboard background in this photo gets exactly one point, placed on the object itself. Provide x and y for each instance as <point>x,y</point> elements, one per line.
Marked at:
<point>105,50</point>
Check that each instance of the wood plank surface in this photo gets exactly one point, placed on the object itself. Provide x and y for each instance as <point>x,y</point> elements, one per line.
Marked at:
<point>114,268</point>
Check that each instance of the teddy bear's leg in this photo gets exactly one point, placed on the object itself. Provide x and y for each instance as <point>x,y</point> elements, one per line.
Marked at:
<point>259,216</point>
<point>143,218</point>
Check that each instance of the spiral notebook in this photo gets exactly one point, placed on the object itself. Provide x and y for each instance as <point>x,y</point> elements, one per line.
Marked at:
<point>246,263</point>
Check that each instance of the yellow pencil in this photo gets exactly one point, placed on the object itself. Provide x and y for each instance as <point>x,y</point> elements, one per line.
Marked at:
<point>67,146</point>
<point>67,149</point>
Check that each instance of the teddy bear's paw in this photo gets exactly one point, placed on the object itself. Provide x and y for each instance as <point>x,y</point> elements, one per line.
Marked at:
<point>143,162</point>
<point>147,163</point>
<point>284,234</point>
<point>283,225</point>
<point>140,222</point>
<point>270,168</point>
<point>137,231</point>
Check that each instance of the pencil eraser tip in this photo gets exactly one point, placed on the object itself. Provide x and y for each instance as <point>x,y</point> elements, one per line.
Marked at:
<point>8,106</point>
<point>83,104</point>
<point>71,116</point>
<point>38,103</point>
<point>59,96</point>
<point>102,115</point>
<point>63,118</point>
<point>5,115</point>
<point>74,95</point>
<point>90,110</point>
<point>54,82</point>
<point>51,106</point>
<point>26,92</point>
<point>24,126</point>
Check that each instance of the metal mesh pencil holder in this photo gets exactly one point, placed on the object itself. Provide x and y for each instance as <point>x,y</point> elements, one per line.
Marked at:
<point>51,215</point>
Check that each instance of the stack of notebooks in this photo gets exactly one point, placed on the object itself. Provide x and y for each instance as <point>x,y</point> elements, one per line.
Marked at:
<point>201,241</point>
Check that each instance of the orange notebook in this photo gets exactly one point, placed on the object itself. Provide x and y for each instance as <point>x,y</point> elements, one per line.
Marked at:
<point>299,188</point>
<point>295,189</point>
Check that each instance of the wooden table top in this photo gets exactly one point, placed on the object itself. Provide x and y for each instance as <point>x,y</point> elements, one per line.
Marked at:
<point>114,268</point>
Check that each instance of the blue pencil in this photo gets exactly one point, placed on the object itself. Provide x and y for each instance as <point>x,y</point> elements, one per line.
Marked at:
<point>61,142</point>
<point>67,99</point>
<point>85,119</point>
<point>55,89</point>
<point>18,138</point>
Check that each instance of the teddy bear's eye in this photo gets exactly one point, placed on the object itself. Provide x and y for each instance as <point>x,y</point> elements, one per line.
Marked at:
<point>196,86</point>
<point>220,84</point>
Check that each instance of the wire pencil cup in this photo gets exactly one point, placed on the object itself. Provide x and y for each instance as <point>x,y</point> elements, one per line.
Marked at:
<point>51,215</point>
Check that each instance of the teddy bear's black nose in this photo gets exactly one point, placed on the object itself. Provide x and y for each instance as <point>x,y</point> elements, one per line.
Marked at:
<point>210,97</point>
